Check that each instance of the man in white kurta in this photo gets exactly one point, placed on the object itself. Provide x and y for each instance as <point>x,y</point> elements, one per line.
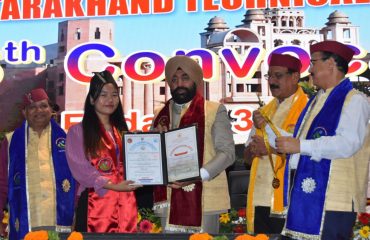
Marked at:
<point>325,149</point>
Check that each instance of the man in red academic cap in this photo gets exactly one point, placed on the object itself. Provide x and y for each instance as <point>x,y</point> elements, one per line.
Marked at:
<point>38,184</point>
<point>330,181</point>
<point>265,211</point>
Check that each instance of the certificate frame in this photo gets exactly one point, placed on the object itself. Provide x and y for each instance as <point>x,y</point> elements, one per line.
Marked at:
<point>153,158</point>
<point>143,158</point>
<point>179,143</point>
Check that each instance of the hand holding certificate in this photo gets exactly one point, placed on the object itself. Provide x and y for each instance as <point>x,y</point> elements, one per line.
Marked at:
<point>161,158</point>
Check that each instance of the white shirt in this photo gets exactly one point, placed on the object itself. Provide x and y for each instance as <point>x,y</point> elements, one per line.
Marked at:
<point>348,138</point>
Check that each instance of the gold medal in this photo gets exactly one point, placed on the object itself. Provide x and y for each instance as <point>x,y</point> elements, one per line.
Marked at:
<point>275,183</point>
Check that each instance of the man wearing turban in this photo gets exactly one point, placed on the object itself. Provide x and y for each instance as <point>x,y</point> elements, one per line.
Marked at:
<point>195,206</point>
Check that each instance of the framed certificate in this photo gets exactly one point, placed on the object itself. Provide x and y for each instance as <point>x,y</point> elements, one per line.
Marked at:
<point>153,158</point>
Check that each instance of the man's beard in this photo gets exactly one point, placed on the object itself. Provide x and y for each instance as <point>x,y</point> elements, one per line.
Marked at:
<point>186,94</point>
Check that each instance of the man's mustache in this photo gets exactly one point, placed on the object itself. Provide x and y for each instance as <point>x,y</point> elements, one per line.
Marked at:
<point>274,86</point>
<point>181,88</point>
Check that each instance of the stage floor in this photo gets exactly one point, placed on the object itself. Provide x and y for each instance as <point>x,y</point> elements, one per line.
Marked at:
<point>143,236</point>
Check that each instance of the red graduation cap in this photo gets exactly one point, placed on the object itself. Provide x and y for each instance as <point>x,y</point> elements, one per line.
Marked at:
<point>35,95</point>
<point>335,47</point>
<point>284,60</point>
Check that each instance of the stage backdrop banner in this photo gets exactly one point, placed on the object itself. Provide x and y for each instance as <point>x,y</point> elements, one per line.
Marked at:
<point>58,45</point>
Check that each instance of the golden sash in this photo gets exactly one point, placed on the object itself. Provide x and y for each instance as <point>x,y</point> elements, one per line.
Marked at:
<point>297,104</point>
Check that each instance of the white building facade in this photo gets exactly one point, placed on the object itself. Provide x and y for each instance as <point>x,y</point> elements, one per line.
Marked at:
<point>269,28</point>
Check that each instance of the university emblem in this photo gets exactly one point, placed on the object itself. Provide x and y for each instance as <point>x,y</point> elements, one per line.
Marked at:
<point>66,185</point>
<point>17,179</point>
<point>105,165</point>
<point>319,132</point>
<point>60,143</point>
<point>308,185</point>
<point>16,224</point>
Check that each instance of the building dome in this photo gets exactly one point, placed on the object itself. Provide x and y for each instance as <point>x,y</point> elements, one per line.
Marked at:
<point>254,15</point>
<point>216,24</point>
<point>337,17</point>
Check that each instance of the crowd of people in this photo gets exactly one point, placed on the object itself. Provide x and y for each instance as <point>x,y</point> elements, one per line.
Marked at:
<point>308,176</point>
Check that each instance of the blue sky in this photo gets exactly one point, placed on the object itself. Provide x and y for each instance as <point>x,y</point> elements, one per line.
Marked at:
<point>167,32</point>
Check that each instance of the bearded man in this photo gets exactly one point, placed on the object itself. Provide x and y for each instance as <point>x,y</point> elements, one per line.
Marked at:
<point>195,206</point>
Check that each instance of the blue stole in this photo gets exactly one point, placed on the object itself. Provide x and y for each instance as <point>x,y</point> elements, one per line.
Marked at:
<point>17,181</point>
<point>307,197</point>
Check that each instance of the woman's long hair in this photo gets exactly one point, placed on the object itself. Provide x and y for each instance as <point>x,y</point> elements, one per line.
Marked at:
<point>90,122</point>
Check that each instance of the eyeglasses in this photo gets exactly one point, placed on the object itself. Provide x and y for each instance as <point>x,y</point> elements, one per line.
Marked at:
<point>314,60</point>
<point>277,75</point>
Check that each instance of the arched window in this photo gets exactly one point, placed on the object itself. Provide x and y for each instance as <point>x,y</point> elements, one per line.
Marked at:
<point>346,33</point>
<point>296,42</point>
<point>278,42</point>
<point>274,21</point>
<point>312,42</point>
<point>78,34</point>
<point>97,33</point>
<point>62,35</point>
<point>299,22</point>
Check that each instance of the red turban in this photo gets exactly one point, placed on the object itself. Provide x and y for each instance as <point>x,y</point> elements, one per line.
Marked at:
<point>187,64</point>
